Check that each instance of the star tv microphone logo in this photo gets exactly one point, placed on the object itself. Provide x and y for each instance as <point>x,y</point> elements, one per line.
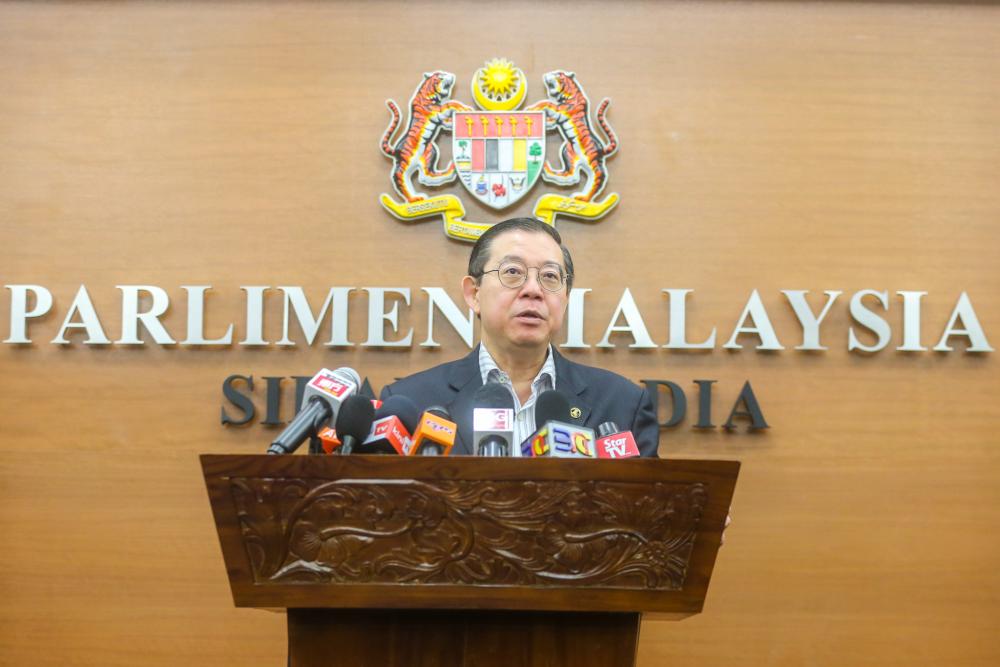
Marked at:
<point>615,447</point>
<point>498,148</point>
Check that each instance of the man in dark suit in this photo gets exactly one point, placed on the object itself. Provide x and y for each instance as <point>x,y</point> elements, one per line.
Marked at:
<point>518,285</point>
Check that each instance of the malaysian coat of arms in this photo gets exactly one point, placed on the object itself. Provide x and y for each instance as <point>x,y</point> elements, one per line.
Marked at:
<point>498,148</point>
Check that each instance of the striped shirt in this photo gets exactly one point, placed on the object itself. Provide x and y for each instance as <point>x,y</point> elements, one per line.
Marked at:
<point>524,415</point>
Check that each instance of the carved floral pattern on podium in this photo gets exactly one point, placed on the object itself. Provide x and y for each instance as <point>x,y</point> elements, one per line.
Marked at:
<point>509,533</point>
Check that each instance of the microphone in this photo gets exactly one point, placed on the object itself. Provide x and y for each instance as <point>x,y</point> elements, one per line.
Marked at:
<point>561,440</point>
<point>328,436</point>
<point>552,405</point>
<point>390,432</point>
<point>493,420</point>
<point>554,435</point>
<point>321,401</point>
<point>434,435</point>
<point>615,444</point>
<point>354,421</point>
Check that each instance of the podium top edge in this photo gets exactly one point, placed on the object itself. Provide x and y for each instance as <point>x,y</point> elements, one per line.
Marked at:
<point>465,467</point>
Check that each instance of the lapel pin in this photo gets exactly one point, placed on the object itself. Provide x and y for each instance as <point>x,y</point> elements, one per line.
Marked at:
<point>575,413</point>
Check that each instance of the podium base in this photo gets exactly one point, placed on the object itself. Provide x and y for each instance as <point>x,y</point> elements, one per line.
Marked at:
<point>425,638</point>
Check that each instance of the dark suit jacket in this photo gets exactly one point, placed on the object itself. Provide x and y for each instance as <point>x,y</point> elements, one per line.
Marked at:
<point>601,396</point>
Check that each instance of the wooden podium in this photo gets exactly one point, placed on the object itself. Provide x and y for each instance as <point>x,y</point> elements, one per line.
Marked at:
<point>466,561</point>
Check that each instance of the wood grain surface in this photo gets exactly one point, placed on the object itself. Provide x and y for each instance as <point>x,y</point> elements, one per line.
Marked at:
<point>764,146</point>
<point>460,639</point>
<point>387,532</point>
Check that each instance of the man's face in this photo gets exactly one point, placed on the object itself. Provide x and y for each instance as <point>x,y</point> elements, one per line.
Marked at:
<point>527,316</point>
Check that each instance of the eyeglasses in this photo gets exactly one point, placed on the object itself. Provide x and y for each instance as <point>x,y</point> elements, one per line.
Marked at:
<point>512,274</point>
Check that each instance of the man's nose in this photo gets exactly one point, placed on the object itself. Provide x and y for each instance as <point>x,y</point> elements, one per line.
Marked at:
<point>533,286</point>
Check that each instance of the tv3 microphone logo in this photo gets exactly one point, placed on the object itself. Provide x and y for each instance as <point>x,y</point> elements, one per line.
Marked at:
<point>498,148</point>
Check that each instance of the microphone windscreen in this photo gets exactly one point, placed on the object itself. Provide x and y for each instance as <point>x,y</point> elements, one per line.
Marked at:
<point>439,411</point>
<point>403,408</point>
<point>552,405</point>
<point>350,374</point>
<point>493,395</point>
<point>606,429</point>
<point>355,417</point>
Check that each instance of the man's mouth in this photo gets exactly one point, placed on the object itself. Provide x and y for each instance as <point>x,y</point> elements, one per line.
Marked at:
<point>530,315</point>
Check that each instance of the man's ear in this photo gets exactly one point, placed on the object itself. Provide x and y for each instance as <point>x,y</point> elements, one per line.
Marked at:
<point>470,290</point>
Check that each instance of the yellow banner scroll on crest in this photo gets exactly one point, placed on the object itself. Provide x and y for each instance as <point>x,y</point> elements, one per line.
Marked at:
<point>549,206</point>
<point>449,206</point>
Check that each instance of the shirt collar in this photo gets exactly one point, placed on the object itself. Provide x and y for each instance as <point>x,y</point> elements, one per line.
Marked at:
<point>488,366</point>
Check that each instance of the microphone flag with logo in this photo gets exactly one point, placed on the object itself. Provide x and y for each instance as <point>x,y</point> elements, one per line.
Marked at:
<point>321,401</point>
<point>492,420</point>
<point>394,422</point>
<point>434,435</point>
<point>555,435</point>
<point>615,444</point>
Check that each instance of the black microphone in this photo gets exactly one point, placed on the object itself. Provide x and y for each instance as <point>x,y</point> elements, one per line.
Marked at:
<point>354,421</point>
<point>394,422</point>
<point>607,428</point>
<point>555,435</point>
<point>493,420</point>
<point>552,405</point>
<point>321,402</point>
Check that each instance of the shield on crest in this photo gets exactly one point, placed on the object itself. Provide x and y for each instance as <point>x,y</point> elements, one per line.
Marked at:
<point>498,154</point>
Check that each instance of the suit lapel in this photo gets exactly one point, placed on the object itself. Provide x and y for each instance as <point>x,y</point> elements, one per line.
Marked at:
<point>570,383</point>
<point>465,378</point>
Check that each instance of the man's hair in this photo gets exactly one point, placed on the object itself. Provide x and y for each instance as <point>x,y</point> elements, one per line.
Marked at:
<point>481,250</point>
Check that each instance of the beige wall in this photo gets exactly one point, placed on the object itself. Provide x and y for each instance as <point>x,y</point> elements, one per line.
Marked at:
<point>764,146</point>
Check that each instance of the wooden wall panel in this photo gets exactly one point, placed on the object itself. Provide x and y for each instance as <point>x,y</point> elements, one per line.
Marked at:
<point>768,146</point>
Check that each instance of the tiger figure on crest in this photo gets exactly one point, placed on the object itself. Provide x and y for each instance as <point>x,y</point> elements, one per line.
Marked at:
<point>567,109</point>
<point>431,110</point>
